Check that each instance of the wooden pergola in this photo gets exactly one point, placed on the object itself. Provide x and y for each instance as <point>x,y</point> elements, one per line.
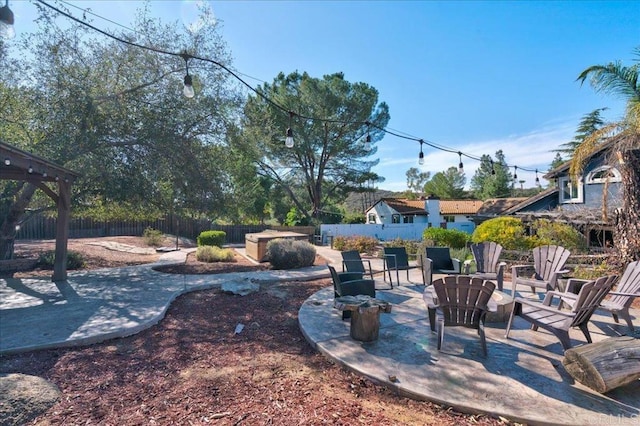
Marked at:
<point>16,164</point>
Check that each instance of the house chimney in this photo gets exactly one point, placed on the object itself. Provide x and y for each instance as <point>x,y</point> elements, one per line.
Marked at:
<point>432,206</point>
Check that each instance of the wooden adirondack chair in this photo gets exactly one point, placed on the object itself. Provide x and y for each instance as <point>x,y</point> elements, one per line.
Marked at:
<point>352,262</point>
<point>350,284</point>
<point>486,256</point>
<point>396,259</point>
<point>551,318</point>
<point>620,299</point>
<point>462,301</point>
<point>548,264</point>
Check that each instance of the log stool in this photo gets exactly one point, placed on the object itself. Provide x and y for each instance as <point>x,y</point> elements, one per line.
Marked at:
<point>605,365</point>
<point>365,315</point>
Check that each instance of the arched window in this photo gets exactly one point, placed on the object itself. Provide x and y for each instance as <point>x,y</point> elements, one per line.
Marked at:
<point>604,173</point>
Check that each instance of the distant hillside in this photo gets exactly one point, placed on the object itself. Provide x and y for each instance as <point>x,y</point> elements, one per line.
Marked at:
<point>359,202</point>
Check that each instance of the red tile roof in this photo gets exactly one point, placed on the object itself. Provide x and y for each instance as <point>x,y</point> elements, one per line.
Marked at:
<point>448,207</point>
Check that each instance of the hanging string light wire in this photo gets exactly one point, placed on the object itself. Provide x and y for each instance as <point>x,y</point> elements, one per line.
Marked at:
<point>234,74</point>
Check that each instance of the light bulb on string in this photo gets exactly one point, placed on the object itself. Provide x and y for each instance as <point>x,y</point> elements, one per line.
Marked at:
<point>187,90</point>
<point>515,172</point>
<point>367,143</point>
<point>460,165</point>
<point>421,155</point>
<point>493,169</point>
<point>537,178</point>
<point>6,22</point>
<point>288,142</point>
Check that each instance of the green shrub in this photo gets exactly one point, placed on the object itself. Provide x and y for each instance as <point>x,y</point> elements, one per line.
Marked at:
<point>212,254</point>
<point>557,233</point>
<point>506,231</point>
<point>446,237</point>
<point>152,237</point>
<point>75,260</point>
<point>285,253</point>
<point>352,218</point>
<point>211,238</point>
<point>360,243</point>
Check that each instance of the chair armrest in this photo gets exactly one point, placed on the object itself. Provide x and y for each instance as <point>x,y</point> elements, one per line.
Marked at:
<point>617,293</point>
<point>500,267</point>
<point>456,264</point>
<point>542,306</point>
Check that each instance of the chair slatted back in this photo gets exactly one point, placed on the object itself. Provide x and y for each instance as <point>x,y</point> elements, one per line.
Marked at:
<point>352,261</point>
<point>486,255</point>
<point>396,257</point>
<point>629,283</point>
<point>548,259</point>
<point>589,297</point>
<point>462,299</point>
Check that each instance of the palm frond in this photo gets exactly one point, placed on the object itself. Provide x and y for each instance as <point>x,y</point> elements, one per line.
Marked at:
<point>588,146</point>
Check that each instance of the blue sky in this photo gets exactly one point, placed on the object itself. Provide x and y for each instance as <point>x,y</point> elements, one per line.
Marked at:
<point>472,76</point>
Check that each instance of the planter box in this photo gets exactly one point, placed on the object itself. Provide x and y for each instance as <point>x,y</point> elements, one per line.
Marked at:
<point>256,244</point>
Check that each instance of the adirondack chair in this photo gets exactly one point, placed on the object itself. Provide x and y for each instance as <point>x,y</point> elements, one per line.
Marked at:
<point>438,260</point>
<point>620,299</point>
<point>352,262</point>
<point>486,257</point>
<point>396,259</point>
<point>350,284</point>
<point>548,262</point>
<point>551,318</point>
<point>462,301</point>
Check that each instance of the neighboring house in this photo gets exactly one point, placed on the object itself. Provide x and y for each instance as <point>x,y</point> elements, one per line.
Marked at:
<point>495,207</point>
<point>430,212</point>
<point>580,202</point>
<point>393,218</point>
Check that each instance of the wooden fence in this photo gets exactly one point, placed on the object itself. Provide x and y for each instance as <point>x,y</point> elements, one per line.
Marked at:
<point>42,228</point>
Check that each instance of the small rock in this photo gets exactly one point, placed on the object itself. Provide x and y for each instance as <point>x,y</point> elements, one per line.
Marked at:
<point>241,288</point>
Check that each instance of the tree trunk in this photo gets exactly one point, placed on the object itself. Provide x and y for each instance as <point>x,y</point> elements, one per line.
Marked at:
<point>627,229</point>
<point>15,213</point>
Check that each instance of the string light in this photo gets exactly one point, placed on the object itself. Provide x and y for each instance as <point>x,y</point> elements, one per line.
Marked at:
<point>288,142</point>
<point>187,91</point>
<point>493,169</point>
<point>537,178</point>
<point>460,165</point>
<point>6,22</point>
<point>515,172</point>
<point>289,139</point>
<point>367,143</point>
<point>7,162</point>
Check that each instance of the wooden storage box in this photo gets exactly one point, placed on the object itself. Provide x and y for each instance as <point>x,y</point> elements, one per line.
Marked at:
<point>256,244</point>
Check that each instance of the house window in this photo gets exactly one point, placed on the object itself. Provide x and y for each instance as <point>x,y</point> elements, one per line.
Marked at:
<point>395,218</point>
<point>604,173</point>
<point>449,218</point>
<point>407,219</point>
<point>569,191</point>
<point>371,218</point>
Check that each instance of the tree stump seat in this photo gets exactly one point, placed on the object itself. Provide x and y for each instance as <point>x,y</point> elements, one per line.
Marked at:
<point>605,365</point>
<point>365,315</point>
